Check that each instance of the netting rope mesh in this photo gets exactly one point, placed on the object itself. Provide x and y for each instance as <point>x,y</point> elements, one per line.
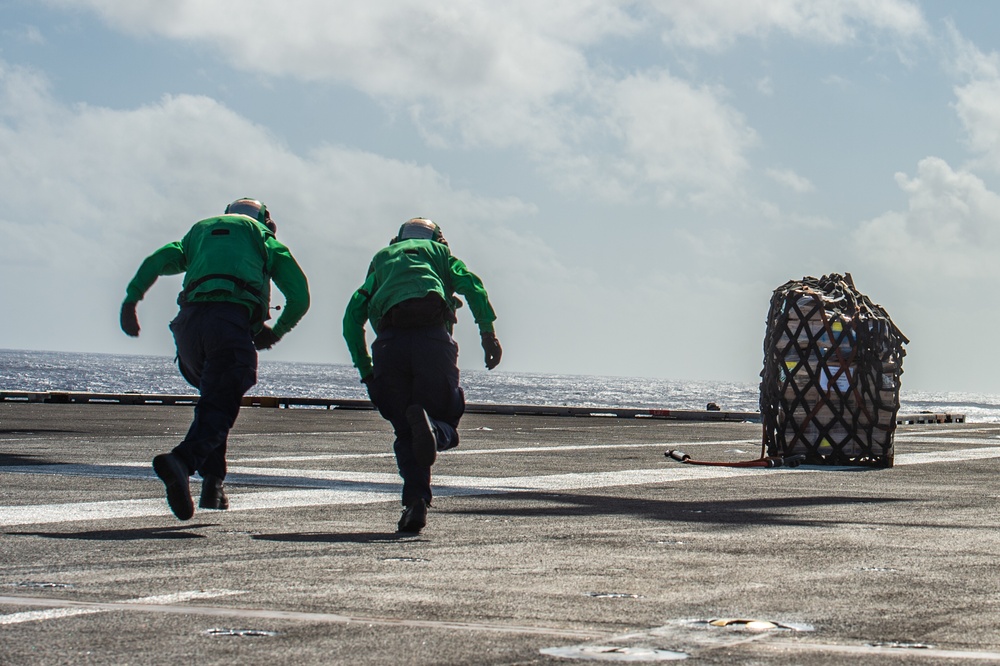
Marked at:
<point>830,384</point>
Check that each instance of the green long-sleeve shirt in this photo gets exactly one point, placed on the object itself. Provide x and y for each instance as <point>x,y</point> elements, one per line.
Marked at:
<point>254,256</point>
<point>406,270</point>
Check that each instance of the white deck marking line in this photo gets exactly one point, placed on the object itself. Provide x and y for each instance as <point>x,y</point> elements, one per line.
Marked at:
<point>246,475</point>
<point>116,470</point>
<point>948,456</point>
<point>519,449</point>
<point>40,435</point>
<point>944,427</point>
<point>298,616</point>
<point>238,476</point>
<point>444,486</point>
<point>368,488</point>
<point>40,514</point>
<point>927,439</point>
<point>36,436</point>
<point>860,651</point>
<point>165,604</point>
<point>70,608</point>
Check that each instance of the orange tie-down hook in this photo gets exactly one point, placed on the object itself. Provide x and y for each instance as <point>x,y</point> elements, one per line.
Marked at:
<point>763,461</point>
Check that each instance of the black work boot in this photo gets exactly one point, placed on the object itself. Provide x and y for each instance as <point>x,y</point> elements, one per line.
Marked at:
<point>414,517</point>
<point>422,432</point>
<point>213,494</point>
<point>174,474</point>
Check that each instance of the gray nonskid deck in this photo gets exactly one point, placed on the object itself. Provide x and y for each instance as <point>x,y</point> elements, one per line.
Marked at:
<point>550,538</point>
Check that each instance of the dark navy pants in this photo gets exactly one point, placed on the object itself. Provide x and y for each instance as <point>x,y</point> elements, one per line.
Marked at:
<point>216,355</point>
<point>417,366</point>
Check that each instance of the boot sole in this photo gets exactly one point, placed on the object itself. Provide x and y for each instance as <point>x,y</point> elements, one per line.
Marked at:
<point>169,470</point>
<point>214,498</point>
<point>412,526</point>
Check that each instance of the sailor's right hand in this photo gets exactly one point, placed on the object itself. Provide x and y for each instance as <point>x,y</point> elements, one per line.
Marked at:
<point>369,382</point>
<point>491,349</point>
<point>130,320</point>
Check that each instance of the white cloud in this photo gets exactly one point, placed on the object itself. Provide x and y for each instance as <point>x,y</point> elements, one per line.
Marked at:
<point>523,74</point>
<point>978,107</point>
<point>675,135</point>
<point>791,180</point>
<point>839,82</point>
<point>404,49</point>
<point>95,189</point>
<point>977,101</point>
<point>28,34</point>
<point>89,192</point>
<point>950,230</point>
<point>652,136</point>
<point>934,266</point>
<point>482,74</point>
<point>968,61</point>
<point>715,24</point>
<point>92,191</point>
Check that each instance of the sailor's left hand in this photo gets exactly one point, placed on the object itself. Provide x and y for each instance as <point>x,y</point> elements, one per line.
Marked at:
<point>129,320</point>
<point>265,339</point>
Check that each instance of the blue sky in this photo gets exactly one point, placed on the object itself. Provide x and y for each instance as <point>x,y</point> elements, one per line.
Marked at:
<point>631,180</point>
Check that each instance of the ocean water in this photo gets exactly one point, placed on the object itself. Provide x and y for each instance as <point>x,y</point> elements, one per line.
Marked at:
<point>118,373</point>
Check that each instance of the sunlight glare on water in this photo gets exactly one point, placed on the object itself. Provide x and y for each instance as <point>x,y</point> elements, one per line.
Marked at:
<point>119,373</point>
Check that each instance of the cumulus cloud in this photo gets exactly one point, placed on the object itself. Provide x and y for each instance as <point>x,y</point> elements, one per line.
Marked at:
<point>978,107</point>
<point>934,266</point>
<point>481,74</point>
<point>406,49</point>
<point>951,228</point>
<point>524,74</point>
<point>675,134</point>
<point>90,191</point>
<point>977,98</point>
<point>522,77</point>
<point>714,24</point>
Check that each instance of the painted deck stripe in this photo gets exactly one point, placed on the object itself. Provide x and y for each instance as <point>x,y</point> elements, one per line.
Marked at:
<point>930,439</point>
<point>167,604</point>
<point>340,487</point>
<point>861,651</point>
<point>70,608</point>
<point>139,605</point>
<point>958,455</point>
<point>358,494</point>
<point>520,449</point>
<point>338,479</point>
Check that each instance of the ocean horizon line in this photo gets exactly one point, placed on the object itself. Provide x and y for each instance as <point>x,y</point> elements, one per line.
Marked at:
<point>39,370</point>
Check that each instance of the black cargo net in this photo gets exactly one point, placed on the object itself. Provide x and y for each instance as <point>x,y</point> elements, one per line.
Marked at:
<point>830,383</point>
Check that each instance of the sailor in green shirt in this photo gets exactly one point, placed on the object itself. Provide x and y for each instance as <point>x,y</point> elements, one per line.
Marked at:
<point>412,374</point>
<point>228,263</point>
